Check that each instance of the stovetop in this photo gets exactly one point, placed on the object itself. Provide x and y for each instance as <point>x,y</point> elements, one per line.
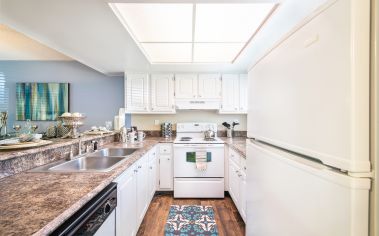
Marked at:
<point>197,140</point>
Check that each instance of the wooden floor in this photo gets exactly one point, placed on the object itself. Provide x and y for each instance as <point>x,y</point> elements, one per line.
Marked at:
<point>228,220</point>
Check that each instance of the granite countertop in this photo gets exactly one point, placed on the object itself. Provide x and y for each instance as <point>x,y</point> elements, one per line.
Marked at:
<point>37,203</point>
<point>237,143</point>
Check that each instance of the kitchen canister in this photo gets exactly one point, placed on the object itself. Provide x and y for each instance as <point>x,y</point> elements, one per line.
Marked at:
<point>166,129</point>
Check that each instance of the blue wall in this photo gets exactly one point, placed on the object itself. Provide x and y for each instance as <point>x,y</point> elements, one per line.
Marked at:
<point>95,94</point>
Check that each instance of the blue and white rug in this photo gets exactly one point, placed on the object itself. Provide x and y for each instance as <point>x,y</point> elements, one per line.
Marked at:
<point>186,220</point>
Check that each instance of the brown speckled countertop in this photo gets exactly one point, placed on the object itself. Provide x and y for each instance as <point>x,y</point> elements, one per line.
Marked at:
<point>237,143</point>
<point>37,203</point>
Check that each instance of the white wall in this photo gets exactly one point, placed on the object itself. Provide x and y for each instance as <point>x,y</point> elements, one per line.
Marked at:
<point>146,122</point>
<point>16,46</point>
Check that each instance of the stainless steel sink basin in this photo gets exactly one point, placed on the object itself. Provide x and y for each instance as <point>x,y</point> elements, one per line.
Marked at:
<point>101,161</point>
<point>88,163</point>
<point>113,152</point>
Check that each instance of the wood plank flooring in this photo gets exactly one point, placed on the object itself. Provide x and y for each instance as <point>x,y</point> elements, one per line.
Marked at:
<point>228,220</point>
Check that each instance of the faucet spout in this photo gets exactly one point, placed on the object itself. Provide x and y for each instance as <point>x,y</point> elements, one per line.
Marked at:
<point>80,147</point>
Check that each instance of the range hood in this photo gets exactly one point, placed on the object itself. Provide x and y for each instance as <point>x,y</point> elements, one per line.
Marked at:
<point>197,104</point>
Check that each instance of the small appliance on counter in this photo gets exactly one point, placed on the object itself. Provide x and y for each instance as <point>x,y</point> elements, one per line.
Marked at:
<point>166,129</point>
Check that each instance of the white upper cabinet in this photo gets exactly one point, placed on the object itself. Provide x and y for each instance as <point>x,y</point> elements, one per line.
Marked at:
<point>230,93</point>
<point>137,93</point>
<point>209,86</point>
<point>162,93</point>
<point>234,93</point>
<point>186,86</point>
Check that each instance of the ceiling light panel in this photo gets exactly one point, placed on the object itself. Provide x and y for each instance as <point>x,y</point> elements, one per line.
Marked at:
<point>168,52</point>
<point>229,22</point>
<point>216,52</point>
<point>153,22</point>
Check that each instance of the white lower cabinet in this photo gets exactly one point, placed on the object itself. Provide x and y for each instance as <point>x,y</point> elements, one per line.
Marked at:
<point>166,171</point>
<point>237,181</point>
<point>126,211</point>
<point>152,174</point>
<point>134,193</point>
<point>142,188</point>
<point>234,185</point>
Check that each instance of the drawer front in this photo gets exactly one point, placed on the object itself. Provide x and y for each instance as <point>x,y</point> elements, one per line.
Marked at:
<point>199,188</point>
<point>165,148</point>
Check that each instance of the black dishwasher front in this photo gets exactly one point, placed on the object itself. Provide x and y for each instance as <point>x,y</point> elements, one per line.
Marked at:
<point>92,215</point>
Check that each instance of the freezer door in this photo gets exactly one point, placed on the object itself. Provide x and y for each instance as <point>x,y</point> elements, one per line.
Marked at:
<point>311,93</point>
<point>291,196</point>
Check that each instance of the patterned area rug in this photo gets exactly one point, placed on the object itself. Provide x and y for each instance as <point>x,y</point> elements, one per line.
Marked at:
<point>191,220</point>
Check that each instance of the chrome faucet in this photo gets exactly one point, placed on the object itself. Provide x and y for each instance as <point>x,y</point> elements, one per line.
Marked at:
<point>80,147</point>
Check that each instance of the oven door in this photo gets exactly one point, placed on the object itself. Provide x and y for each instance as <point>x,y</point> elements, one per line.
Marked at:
<point>185,160</point>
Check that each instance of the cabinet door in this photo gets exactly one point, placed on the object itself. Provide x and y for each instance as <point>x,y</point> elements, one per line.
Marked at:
<point>243,93</point>
<point>165,172</point>
<point>126,211</point>
<point>142,189</point>
<point>229,93</point>
<point>186,86</point>
<point>162,93</point>
<point>137,92</point>
<point>242,188</point>
<point>209,86</point>
<point>152,174</point>
<point>234,182</point>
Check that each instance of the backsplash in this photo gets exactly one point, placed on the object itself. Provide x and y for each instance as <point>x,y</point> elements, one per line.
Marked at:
<point>220,133</point>
<point>147,121</point>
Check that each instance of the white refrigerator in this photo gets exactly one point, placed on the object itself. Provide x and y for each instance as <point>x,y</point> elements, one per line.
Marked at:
<point>308,164</point>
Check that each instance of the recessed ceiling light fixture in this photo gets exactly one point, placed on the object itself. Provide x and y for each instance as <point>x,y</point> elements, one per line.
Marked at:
<point>192,33</point>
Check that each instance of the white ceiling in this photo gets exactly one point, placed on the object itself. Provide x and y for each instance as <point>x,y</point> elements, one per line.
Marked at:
<point>192,33</point>
<point>90,33</point>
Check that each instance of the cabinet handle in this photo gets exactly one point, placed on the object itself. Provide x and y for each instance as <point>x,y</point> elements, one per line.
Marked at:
<point>135,171</point>
<point>239,175</point>
<point>237,171</point>
<point>139,167</point>
<point>168,159</point>
<point>151,167</point>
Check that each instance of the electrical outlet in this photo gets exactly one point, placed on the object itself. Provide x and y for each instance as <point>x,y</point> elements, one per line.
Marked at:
<point>156,122</point>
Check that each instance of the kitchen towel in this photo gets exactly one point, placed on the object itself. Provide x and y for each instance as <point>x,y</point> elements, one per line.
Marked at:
<point>201,160</point>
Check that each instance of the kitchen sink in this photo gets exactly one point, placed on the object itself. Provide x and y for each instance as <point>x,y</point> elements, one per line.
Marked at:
<point>113,152</point>
<point>100,161</point>
<point>88,163</point>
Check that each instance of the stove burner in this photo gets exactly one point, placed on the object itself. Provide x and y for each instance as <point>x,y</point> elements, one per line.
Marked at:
<point>185,138</point>
<point>209,139</point>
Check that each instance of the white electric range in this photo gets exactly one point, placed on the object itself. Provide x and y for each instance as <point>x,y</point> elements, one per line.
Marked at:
<point>189,180</point>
